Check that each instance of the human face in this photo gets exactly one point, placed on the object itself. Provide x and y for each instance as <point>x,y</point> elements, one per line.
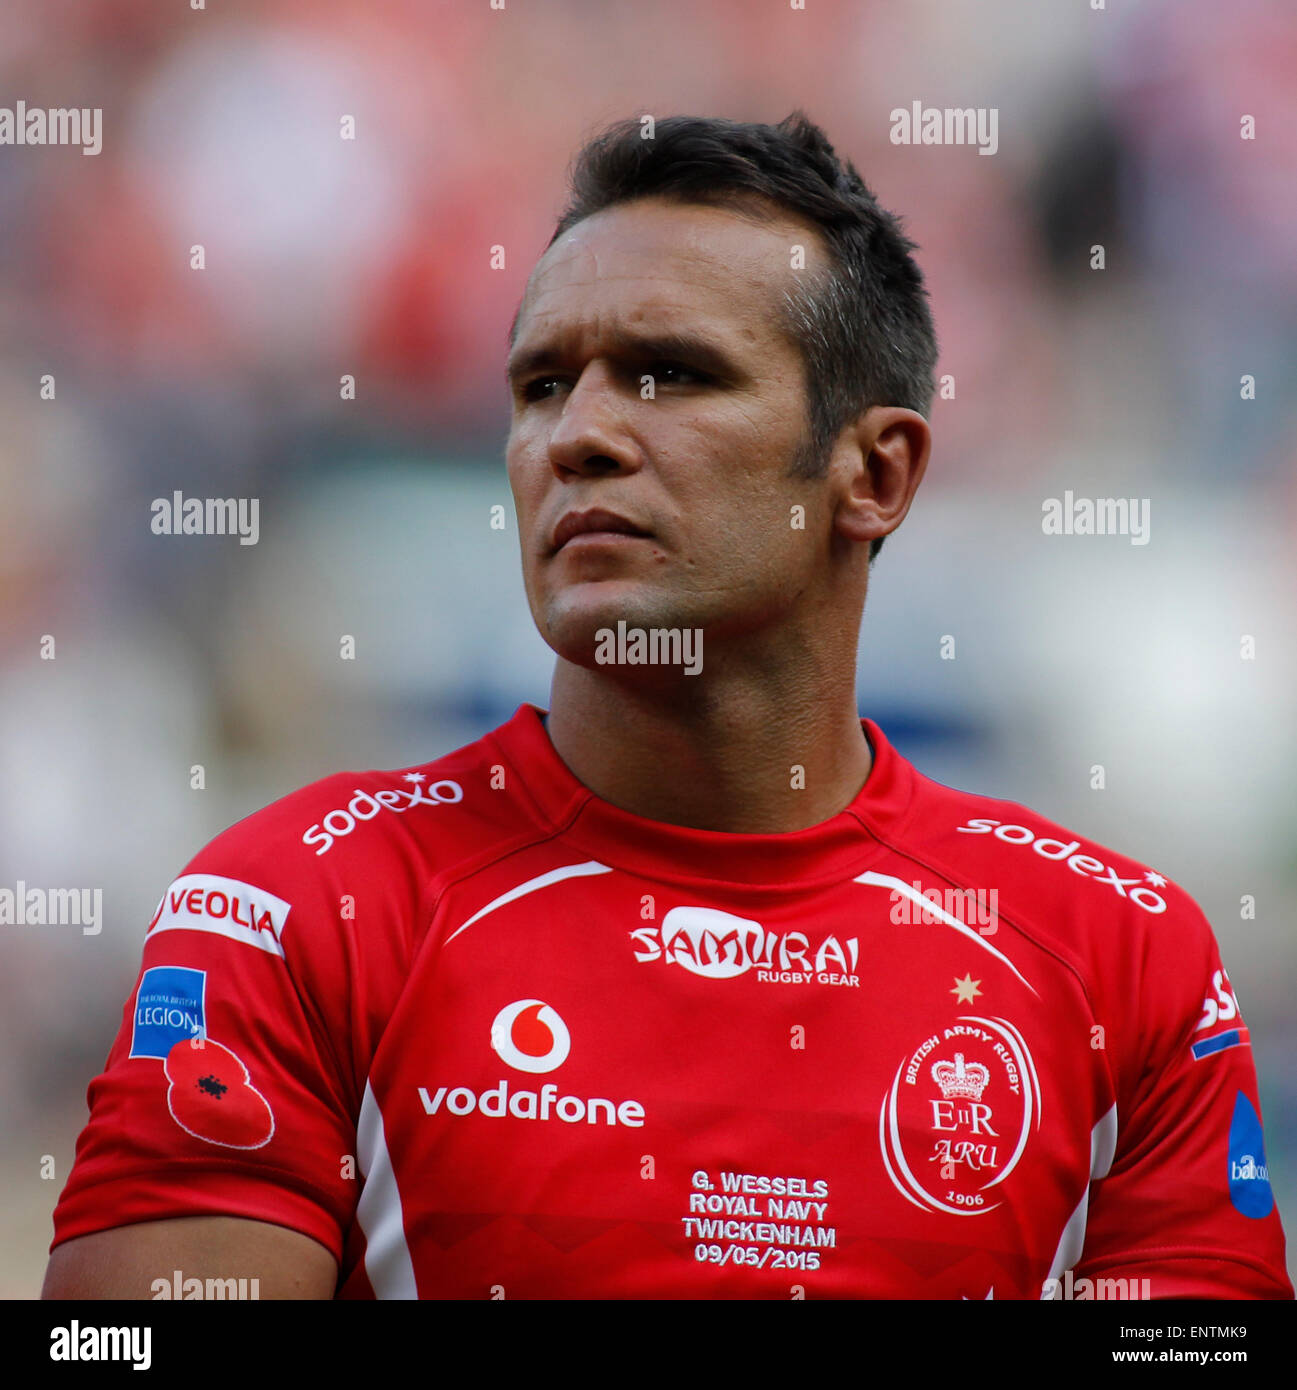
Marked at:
<point>688,296</point>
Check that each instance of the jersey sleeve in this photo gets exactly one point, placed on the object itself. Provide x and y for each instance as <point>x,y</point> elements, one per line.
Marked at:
<point>230,1088</point>
<point>1186,1203</point>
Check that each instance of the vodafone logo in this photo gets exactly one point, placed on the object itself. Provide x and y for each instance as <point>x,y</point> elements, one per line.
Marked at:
<point>530,1036</point>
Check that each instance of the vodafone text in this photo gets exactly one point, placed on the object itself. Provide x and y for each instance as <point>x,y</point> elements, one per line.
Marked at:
<point>499,1102</point>
<point>1086,865</point>
<point>363,807</point>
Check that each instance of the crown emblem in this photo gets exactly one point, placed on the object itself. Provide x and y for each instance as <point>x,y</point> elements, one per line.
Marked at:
<point>960,1080</point>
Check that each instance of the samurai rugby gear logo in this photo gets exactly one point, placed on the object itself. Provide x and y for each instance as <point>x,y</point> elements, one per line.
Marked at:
<point>958,1115</point>
<point>718,945</point>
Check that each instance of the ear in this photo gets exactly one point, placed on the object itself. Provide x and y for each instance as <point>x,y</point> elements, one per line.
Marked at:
<point>882,458</point>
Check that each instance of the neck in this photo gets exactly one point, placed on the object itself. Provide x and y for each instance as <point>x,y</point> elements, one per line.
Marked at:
<point>720,751</point>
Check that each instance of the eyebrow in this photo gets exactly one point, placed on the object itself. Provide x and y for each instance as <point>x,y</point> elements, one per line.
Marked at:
<point>687,348</point>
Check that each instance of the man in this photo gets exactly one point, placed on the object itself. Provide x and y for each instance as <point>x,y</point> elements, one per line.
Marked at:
<point>692,987</point>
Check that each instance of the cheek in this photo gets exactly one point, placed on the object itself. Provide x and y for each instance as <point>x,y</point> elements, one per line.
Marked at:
<point>526,483</point>
<point>777,544</point>
<point>513,455</point>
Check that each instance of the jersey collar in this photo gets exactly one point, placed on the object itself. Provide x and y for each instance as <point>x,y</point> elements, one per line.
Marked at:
<point>836,848</point>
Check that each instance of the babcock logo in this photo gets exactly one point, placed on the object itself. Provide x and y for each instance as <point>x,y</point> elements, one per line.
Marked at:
<point>1249,1177</point>
<point>530,1036</point>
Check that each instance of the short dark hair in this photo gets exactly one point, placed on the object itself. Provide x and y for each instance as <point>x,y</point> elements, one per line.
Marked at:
<point>864,328</point>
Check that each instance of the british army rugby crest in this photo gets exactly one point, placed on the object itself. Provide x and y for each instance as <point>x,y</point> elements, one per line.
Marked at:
<point>957,1118</point>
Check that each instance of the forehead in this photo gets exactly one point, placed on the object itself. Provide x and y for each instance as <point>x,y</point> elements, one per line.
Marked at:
<point>670,263</point>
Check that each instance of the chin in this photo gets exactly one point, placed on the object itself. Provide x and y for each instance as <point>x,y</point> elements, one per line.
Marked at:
<point>572,620</point>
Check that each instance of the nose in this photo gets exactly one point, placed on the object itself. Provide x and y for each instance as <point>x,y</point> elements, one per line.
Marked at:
<point>591,436</point>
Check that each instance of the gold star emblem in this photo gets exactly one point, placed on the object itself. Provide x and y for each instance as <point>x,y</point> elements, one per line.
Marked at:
<point>966,990</point>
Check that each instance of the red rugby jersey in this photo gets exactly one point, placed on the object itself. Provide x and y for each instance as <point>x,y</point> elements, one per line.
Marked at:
<point>483,1035</point>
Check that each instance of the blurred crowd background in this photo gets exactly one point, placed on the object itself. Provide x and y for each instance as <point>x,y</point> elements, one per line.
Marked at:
<point>373,257</point>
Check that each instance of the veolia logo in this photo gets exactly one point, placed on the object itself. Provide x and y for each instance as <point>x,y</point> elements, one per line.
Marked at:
<point>530,1036</point>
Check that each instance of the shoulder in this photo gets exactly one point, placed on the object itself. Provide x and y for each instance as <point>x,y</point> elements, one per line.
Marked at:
<point>445,807</point>
<point>1078,897</point>
<point>1135,942</point>
<point>378,840</point>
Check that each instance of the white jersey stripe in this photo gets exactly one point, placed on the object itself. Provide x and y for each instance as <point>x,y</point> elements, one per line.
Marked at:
<point>936,910</point>
<point>378,1213</point>
<point>1103,1145</point>
<point>532,884</point>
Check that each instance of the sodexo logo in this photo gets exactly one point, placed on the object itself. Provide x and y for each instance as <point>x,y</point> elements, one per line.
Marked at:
<point>1084,864</point>
<point>341,822</point>
<point>530,1036</point>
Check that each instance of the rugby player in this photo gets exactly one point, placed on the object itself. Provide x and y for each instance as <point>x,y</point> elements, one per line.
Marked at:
<point>690,986</point>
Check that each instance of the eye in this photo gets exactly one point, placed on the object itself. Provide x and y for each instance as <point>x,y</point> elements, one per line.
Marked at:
<point>676,374</point>
<point>535,389</point>
<point>664,373</point>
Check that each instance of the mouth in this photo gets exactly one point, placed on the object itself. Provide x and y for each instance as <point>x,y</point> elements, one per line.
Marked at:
<point>595,527</point>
